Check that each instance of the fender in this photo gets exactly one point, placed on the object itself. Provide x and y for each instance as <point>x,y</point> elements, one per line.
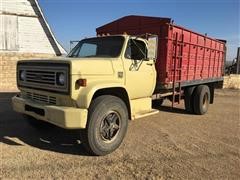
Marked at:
<point>86,93</point>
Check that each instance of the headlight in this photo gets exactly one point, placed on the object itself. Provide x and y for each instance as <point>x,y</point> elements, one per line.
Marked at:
<point>22,75</point>
<point>61,79</point>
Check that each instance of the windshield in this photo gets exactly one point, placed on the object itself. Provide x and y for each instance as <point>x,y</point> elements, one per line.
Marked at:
<point>110,46</point>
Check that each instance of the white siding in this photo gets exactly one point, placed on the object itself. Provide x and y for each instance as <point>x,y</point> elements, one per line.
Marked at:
<point>8,33</point>
<point>32,37</point>
<point>24,29</point>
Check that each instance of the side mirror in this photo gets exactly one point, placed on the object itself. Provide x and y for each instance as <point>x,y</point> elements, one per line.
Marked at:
<point>152,47</point>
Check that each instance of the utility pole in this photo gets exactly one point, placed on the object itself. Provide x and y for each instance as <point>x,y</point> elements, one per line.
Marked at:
<point>238,61</point>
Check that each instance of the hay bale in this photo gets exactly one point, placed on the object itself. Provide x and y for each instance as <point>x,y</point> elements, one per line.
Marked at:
<point>232,81</point>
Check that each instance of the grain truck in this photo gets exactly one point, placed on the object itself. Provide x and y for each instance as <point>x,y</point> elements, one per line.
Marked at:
<point>112,78</point>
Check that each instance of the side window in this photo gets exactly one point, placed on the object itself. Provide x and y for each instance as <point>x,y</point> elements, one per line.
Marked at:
<point>136,50</point>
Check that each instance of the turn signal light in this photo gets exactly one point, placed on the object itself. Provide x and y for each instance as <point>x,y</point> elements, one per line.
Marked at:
<point>81,82</point>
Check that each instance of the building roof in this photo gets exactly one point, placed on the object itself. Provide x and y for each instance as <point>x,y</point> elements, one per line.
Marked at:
<point>59,50</point>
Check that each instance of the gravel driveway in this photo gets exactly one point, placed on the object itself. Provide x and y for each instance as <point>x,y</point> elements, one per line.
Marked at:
<point>169,145</point>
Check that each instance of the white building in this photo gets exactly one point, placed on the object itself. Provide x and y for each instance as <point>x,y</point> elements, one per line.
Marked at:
<point>24,34</point>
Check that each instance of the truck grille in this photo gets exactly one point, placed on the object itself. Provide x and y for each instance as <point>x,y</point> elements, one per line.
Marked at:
<point>39,98</point>
<point>43,76</point>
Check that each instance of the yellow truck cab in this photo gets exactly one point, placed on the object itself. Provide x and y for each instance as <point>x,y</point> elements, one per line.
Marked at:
<point>98,87</point>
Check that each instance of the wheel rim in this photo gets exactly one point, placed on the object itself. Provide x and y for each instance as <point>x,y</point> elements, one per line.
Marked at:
<point>205,100</point>
<point>110,126</point>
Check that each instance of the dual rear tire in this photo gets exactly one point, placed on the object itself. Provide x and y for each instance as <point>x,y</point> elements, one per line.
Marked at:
<point>197,99</point>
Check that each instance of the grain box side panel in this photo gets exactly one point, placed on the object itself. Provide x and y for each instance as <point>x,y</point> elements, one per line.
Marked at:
<point>202,57</point>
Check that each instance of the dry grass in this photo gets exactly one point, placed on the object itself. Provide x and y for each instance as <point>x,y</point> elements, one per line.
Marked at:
<point>232,81</point>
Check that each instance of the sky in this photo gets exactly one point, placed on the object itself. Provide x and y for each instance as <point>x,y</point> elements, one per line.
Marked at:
<point>77,19</point>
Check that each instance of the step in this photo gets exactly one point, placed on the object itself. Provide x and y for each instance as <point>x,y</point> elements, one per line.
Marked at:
<point>145,114</point>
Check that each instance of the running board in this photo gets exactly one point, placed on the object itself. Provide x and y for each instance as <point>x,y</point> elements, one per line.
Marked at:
<point>145,114</point>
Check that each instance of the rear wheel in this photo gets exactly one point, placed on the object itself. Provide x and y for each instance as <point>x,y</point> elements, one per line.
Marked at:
<point>201,99</point>
<point>107,125</point>
<point>157,102</point>
<point>188,99</point>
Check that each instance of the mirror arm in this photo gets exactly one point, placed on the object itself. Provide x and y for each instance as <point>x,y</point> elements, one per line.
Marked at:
<point>139,48</point>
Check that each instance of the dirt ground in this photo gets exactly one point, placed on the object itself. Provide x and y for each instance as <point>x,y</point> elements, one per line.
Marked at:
<point>169,145</point>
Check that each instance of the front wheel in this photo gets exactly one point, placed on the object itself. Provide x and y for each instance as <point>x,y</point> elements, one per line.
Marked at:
<point>107,125</point>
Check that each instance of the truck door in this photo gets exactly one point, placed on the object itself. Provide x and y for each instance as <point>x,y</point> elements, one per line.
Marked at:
<point>140,73</point>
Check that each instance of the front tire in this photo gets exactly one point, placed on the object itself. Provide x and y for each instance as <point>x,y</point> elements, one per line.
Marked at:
<point>107,125</point>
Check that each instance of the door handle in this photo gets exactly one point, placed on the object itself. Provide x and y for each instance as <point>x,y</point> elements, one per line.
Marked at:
<point>149,64</point>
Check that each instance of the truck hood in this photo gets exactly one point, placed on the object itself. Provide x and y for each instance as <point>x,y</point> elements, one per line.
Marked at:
<point>82,66</point>
<point>91,66</point>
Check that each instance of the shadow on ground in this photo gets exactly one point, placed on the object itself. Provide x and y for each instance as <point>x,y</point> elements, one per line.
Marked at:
<point>166,107</point>
<point>172,110</point>
<point>14,127</point>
